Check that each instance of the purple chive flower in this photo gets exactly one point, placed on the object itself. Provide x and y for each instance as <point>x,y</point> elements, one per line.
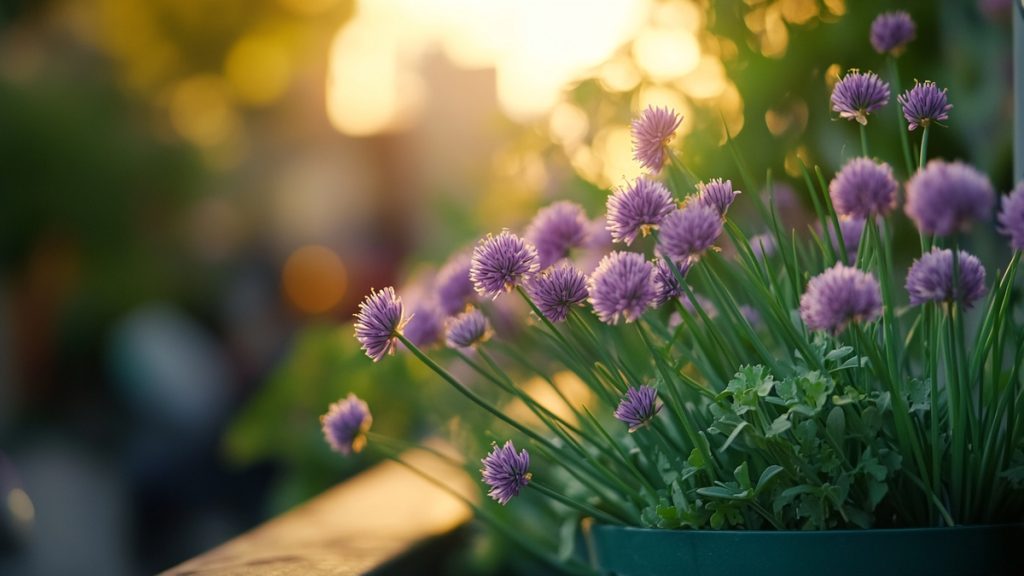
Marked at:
<point>892,31</point>
<point>852,229</point>
<point>502,262</point>
<point>924,104</point>
<point>467,329</point>
<point>763,245</point>
<point>666,284</point>
<point>557,229</point>
<point>622,286</point>
<point>1011,217</point>
<point>378,322</point>
<point>838,296</point>
<point>791,210</point>
<point>506,472</point>
<point>946,196</point>
<point>454,286</point>
<point>652,132</point>
<point>859,94</point>
<point>638,407</point>
<point>558,289</point>
<point>345,425</point>
<point>425,323</point>
<point>930,278</point>
<point>717,194</point>
<point>688,231</point>
<point>637,209</point>
<point>864,188</point>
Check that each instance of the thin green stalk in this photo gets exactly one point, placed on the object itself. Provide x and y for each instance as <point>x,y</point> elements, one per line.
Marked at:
<point>932,318</point>
<point>622,454</point>
<point>545,415</point>
<point>924,147</point>
<point>864,140</point>
<point>514,355</point>
<point>580,506</point>
<point>894,76</point>
<point>534,406</point>
<point>892,335</point>
<point>476,399</point>
<point>957,435</point>
<point>678,406</point>
<point>827,199</point>
<point>691,178</point>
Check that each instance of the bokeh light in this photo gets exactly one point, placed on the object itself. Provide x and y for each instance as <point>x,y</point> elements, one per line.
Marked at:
<point>314,279</point>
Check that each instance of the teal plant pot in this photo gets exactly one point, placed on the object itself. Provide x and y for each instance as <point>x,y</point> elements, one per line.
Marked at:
<point>995,550</point>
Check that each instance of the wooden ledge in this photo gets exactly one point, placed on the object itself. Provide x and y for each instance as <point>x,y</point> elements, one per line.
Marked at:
<point>358,527</point>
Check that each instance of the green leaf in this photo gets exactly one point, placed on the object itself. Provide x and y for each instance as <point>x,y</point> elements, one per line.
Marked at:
<point>919,395</point>
<point>733,435</point>
<point>766,476</point>
<point>696,459</point>
<point>779,425</point>
<point>838,354</point>
<point>742,474</point>
<point>749,384</point>
<point>717,520</point>
<point>836,423</point>
<point>723,493</point>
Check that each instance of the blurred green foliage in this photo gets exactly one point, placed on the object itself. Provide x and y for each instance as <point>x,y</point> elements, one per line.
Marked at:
<point>323,365</point>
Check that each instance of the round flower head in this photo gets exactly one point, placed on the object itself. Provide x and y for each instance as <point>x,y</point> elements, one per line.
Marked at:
<point>637,209</point>
<point>930,278</point>
<point>425,323</point>
<point>652,132</point>
<point>763,245</point>
<point>467,329</point>
<point>622,286</point>
<point>787,204</point>
<point>666,284</point>
<point>688,231</point>
<point>558,289</point>
<point>638,407</point>
<point>378,322</point>
<point>852,229</point>
<point>454,286</point>
<point>859,94</point>
<point>345,425</point>
<point>946,196</point>
<point>892,31</point>
<point>924,104</point>
<point>506,472</point>
<point>838,296</point>
<point>502,262</point>
<point>557,229</point>
<point>864,188</point>
<point>717,194</point>
<point>1011,217</point>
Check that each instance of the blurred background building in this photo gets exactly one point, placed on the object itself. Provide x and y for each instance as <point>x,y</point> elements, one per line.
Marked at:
<point>195,194</point>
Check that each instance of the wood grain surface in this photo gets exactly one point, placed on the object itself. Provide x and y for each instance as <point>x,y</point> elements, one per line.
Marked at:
<point>353,528</point>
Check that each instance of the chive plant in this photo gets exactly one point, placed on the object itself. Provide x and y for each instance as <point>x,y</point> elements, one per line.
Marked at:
<point>781,380</point>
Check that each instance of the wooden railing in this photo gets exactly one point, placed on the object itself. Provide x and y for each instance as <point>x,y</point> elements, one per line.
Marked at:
<point>386,520</point>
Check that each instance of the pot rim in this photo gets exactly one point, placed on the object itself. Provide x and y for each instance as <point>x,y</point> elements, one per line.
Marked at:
<point>838,532</point>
